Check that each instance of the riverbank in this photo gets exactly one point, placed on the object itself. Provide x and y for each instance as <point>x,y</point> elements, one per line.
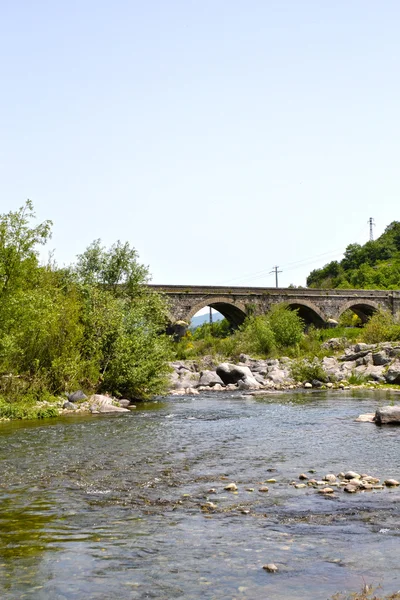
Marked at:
<point>345,366</point>
<point>353,365</point>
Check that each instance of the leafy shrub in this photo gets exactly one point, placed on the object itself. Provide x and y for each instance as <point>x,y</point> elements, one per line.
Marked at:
<point>256,336</point>
<point>304,370</point>
<point>286,325</point>
<point>381,327</point>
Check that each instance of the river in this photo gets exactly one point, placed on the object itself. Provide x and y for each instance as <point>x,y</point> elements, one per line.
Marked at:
<point>103,507</point>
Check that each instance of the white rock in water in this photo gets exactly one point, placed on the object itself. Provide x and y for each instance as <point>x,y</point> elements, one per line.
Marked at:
<point>391,482</point>
<point>231,487</point>
<point>270,567</point>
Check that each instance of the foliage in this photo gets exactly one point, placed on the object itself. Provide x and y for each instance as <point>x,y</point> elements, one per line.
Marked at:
<point>260,335</point>
<point>305,370</point>
<point>286,325</point>
<point>381,327</point>
<point>368,592</point>
<point>375,265</point>
<point>219,329</point>
<point>95,326</point>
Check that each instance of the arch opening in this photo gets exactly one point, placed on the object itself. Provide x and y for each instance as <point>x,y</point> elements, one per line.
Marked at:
<point>309,315</point>
<point>233,312</point>
<point>362,310</point>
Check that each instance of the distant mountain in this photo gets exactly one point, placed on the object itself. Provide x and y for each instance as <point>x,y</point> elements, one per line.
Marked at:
<point>200,319</point>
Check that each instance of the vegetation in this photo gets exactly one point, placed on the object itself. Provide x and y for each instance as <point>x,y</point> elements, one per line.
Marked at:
<point>375,265</point>
<point>280,330</point>
<point>94,325</point>
<point>368,592</point>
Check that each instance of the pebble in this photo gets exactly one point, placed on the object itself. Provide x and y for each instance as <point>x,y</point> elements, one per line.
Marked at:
<point>300,486</point>
<point>271,481</point>
<point>330,477</point>
<point>270,567</point>
<point>263,489</point>
<point>212,491</point>
<point>303,476</point>
<point>245,511</point>
<point>327,490</point>
<point>249,489</point>
<point>231,487</point>
<point>391,482</point>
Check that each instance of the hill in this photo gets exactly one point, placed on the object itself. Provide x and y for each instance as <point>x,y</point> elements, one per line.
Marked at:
<point>375,265</point>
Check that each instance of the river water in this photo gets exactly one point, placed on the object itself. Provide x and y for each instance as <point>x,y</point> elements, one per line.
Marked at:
<point>102,507</point>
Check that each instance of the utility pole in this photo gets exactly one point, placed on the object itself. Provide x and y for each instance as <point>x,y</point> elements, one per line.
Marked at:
<point>371,225</point>
<point>275,270</point>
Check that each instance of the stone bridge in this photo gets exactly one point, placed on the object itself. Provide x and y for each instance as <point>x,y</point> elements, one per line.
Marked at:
<point>319,307</point>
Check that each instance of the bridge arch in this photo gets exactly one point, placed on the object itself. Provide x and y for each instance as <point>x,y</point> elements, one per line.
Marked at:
<point>234,312</point>
<point>309,312</point>
<point>362,308</point>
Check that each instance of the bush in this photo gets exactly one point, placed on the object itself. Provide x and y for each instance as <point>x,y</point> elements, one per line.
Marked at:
<point>381,327</point>
<point>256,336</point>
<point>286,325</point>
<point>304,370</point>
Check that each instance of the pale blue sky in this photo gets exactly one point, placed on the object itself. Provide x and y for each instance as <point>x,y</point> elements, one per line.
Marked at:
<point>218,137</point>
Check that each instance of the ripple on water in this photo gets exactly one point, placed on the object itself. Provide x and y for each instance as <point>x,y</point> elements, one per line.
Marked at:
<point>116,507</point>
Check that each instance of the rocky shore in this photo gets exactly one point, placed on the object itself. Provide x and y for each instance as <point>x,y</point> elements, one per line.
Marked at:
<point>367,364</point>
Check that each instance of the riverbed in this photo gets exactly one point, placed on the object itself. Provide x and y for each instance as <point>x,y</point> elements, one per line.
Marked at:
<point>101,507</point>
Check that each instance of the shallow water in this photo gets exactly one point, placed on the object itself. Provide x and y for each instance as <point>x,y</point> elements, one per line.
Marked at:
<point>103,507</point>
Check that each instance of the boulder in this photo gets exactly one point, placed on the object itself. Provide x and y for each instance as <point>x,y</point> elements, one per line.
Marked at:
<point>393,374</point>
<point>69,405</point>
<point>104,404</point>
<point>388,414</point>
<point>230,373</point>
<point>184,379</point>
<point>366,418</point>
<point>380,358</point>
<point>210,378</point>
<point>276,375</point>
<point>78,396</point>
<point>124,402</point>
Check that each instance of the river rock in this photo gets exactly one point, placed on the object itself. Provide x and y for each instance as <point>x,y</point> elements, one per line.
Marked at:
<point>330,477</point>
<point>391,482</point>
<point>388,414</point>
<point>104,404</point>
<point>230,373</point>
<point>393,374</point>
<point>352,475</point>
<point>326,490</point>
<point>69,405</point>
<point>307,385</point>
<point>366,418</point>
<point>271,568</point>
<point>231,487</point>
<point>124,402</point>
<point>209,378</point>
<point>78,396</point>
<point>350,489</point>
<point>379,359</point>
